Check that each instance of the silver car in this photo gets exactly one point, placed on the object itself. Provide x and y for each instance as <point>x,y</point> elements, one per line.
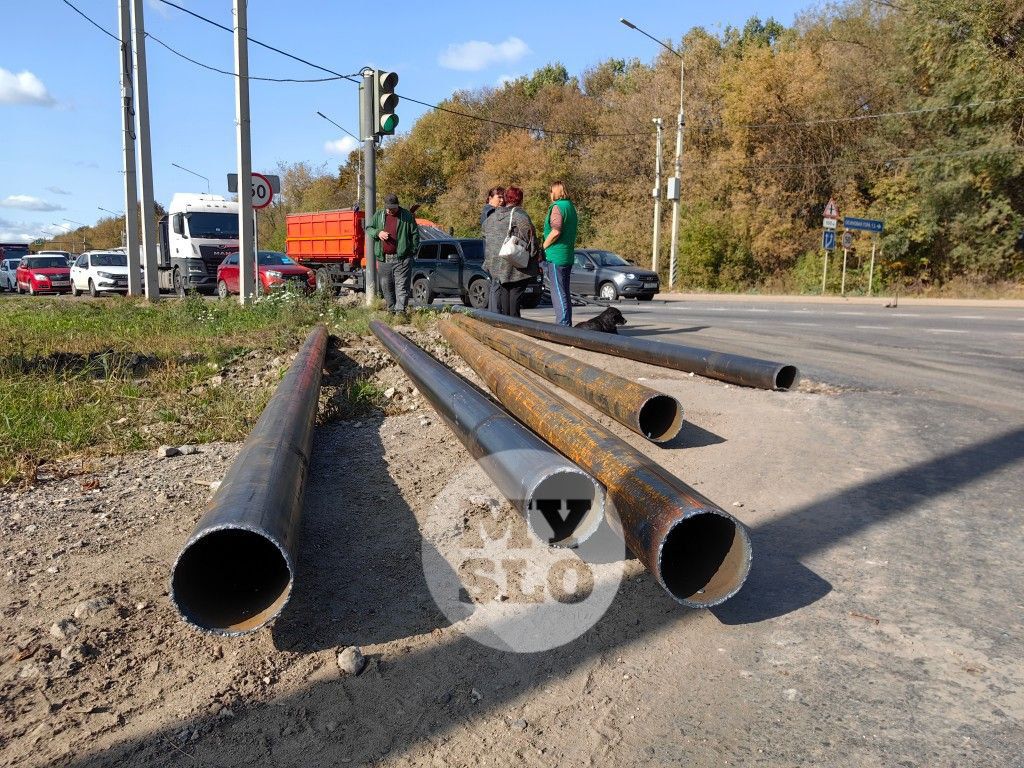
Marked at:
<point>7,270</point>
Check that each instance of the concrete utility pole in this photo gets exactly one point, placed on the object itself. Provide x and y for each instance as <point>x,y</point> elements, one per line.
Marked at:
<point>246,255</point>
<point>145,152</point>
<point>370,166</point>
<point>131,189</point>
<point>656,246</point>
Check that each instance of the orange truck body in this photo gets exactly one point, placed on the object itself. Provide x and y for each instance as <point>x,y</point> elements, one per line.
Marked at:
<point>327,238</point>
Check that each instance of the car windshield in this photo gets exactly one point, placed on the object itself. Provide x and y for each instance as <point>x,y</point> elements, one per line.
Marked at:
<point>14,263</point>
<point>473,250</point>
<point>45,262</point>
<point>608,259</point>
<point>213,225</point>
<point>109,260</point>
<point>273,259</point>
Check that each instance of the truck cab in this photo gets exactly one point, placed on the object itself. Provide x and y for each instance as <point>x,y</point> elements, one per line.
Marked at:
<point>198,233</point>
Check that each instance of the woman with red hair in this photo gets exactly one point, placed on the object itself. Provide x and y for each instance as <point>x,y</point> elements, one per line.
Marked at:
<point>507,280</point>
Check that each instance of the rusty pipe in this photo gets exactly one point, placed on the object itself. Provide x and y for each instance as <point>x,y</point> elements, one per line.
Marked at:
<point>235,572</point>
<point>655,415</point>
<point>563,505</point>
<point>698,552</point>
<point>735,369</point>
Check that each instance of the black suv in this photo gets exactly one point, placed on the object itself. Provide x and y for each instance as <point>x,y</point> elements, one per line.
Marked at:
<point>607,275</point>
<point>454,268</point>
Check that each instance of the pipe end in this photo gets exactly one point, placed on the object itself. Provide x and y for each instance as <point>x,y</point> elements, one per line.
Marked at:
<point>565,508</point>
<point>660,418</point>
<point>787,377</point>
<point>231,580</point>
<point>704,558</point>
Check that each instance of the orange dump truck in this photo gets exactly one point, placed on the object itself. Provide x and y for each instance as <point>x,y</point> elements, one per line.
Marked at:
<point>331,243</point>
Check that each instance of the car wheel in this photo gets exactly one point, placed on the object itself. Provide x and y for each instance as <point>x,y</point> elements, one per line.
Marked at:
<point>608,292</point>
<point>92,289</point>
<point>260,290</point>
<point>478,293</point>
<point>179,283</point>
<point>31,289</point>
<point>74,289</point>
<point>222,289</point>
<point>421,291</point>
<point>324,283</point>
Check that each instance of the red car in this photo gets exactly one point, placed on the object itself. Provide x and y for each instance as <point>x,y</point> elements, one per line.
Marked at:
<point>43,274</point>
<point>276,272</point>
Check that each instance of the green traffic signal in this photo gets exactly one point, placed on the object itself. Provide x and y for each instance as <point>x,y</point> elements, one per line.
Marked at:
<point>385,101</point>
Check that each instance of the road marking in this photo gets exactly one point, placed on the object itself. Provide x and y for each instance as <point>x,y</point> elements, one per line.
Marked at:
<point>944,330</point>
<point>875,327</point>
<point>804,325</point>
<point>904,314</point>
<point>756,309</point>
<point>968,317</point>
<point>851,313</point>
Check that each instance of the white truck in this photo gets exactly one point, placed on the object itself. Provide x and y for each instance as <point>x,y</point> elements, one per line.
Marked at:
<point>198,233</point>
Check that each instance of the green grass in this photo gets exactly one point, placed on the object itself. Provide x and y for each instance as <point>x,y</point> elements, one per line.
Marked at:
<point>118,374</point>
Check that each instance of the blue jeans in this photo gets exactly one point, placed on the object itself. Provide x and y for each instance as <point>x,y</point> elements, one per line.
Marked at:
<point>558,285</point>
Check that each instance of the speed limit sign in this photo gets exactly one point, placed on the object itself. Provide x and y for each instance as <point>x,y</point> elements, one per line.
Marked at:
<point>262,193</point>
<point>847,239</point>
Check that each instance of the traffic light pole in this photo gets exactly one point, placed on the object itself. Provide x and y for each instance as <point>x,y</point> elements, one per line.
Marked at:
<point>366,113</point>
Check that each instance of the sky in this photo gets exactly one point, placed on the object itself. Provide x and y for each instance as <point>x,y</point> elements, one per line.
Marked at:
<point>60,123</point>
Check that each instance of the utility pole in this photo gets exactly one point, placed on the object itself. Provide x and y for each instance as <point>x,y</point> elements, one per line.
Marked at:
<point>675,187</point>
<point>145,152</point>
<point>131,190</point>
<point>366,92</point>
<point>246,256</point>
<point>656,247</point>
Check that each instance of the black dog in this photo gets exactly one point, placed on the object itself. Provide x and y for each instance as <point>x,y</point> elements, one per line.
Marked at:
<point>604,322</point>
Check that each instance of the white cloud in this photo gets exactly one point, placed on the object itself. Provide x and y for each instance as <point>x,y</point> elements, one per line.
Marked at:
<point>23,88</point>
<point>22,231</point>
<point>57,191</point>
<point>29,203</point>
<point>476,55</point>
<point>342,146</point>
<point>506,79</point>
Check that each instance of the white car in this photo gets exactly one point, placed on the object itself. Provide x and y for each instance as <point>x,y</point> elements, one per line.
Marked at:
<point>99,272</point>
<point>7,269</point>
<point>67,256</point>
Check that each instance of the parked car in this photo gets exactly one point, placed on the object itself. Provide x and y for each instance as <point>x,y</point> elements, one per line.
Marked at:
<point>7,270</point>
<point>454,267</point>
<point>609,276</point>
<point>277,271</point>
<point>43,274</point>
<point>99,271</point>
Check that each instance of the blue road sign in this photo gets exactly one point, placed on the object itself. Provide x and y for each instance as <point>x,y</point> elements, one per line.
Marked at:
<point>868,225</point>
<point>828,240</point>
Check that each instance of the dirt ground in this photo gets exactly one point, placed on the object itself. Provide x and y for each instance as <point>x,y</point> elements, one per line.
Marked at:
<point>859,639</point>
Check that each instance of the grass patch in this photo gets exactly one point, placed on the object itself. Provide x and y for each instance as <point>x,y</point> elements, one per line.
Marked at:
<point>122,374</point>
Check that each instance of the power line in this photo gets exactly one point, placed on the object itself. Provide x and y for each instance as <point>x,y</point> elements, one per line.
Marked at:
<point>908,159</point>
<point>81,13</point>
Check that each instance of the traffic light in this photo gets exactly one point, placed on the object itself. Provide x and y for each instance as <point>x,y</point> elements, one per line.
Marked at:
<point>385,100</point>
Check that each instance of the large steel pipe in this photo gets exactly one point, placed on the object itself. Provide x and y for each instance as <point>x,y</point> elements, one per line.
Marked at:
<point>236,571</point>
<point>698,552</point>
<point>655,415</point>
<point>735,369</point>
<point>562,504</point>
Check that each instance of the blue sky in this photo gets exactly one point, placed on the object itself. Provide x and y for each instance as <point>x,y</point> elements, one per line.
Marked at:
<point>60,137</point>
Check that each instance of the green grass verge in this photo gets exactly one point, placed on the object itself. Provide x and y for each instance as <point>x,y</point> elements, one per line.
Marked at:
<point>119,374</point>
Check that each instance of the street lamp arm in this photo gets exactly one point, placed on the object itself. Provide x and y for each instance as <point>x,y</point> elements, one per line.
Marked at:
<point>189,170</point>
<point>663,44</point>
<point>336,125</point>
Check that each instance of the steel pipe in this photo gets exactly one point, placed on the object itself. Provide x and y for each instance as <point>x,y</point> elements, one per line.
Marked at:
<point>735,369</point>
<point>698,552</point>
<point>655,415</point>
<point>562,504</point>
<point>236,571</point>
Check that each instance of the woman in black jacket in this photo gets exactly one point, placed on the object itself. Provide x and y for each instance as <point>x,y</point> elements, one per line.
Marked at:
<point>508,281</point>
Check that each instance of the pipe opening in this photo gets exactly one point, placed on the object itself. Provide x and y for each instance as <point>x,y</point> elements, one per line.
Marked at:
<point>565,509</point>
<point>231,580</point>
<point>660,418</point>
<point>704,559</point>
<point>786,377</point>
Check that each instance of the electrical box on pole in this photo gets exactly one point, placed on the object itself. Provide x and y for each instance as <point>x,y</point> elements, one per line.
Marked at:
<point>385,101</point>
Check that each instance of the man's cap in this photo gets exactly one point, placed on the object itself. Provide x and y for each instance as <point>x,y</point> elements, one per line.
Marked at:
<point>391,201</point>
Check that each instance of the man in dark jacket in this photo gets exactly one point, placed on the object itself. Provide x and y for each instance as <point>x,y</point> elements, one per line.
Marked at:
<point>396,238</point>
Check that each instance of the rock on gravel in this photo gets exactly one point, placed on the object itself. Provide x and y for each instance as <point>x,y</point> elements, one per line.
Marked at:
<point>188,450</point>
<point>351,660</point>
<point>88,608</point>
<point>64,629</point>
<point>167,451</point>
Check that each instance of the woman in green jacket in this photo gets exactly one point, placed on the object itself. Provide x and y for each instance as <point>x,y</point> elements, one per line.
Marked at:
<point>559,250</point>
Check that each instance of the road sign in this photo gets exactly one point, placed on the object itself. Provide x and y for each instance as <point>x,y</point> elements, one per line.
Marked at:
<point>828,240</point>
<point>831,211</point>
<point>262,192</point>
<point>847,239</point>
<point>275,182</point>
<point>867,225</point>
<point>828,224</point>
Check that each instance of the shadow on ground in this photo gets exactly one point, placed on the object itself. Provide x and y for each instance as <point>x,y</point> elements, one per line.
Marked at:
<point>424,696</point>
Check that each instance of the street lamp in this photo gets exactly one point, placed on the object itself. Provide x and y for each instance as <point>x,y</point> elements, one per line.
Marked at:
<point>123,234</point>
<point>359,171</point>
<point>79,224</point>
<point>675,183</point>
<point>189,170</point>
